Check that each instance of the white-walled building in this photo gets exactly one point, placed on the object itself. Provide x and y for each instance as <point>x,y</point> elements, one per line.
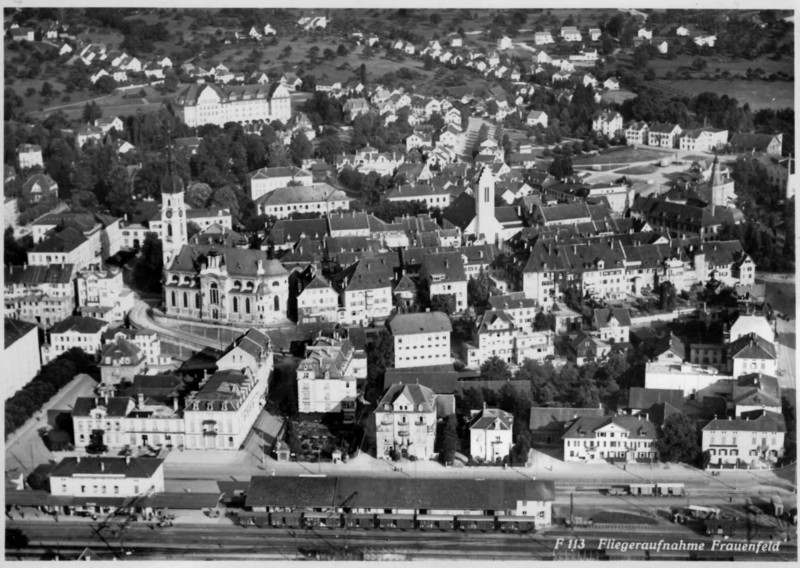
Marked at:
<point>102,477</point>
<point>75,331</point>
<point>405,422</point>
<point>314,198</point>
<point>30,155</point>
<point>626,438</point>
<point>703,139</point>
<point>21,356</point>
<point>421,339</point>
<point>208,103</point>
<point>42,295</point>
<point>752,354</point>
<point>755,438</point>
<point>490,434</point>
<point>607,122</point>
<point>326,378</point>
<point>104,290</point>
<point>266,180</point>
<point>613,325</point>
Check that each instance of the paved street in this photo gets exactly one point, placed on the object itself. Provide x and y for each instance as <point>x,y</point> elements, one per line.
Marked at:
<point>25,448</point>
<point>780,294</point>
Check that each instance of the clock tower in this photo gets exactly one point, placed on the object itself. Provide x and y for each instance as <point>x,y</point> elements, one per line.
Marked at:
<point>173,212</point>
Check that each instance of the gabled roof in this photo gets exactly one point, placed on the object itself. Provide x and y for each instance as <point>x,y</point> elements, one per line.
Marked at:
<point>751,347</point>
<point>416,394</point>
<point>492,419</point>
<point>290,230</point>
<point>238,262</point>
<point>15,329</point>
<point>121,349</point>
<point>36,275</point>
<point>450,265</point>
<point>602,316</point>
<point>79,324</point>
<point>487,323</point>
<point>66,240</point>
<point>116,406</point>
<point>641,398</point>
<point>422,322</point>
<point>636,426</point>
<point>757,421</point>
<point>555,419</point>
<point>88,465</point>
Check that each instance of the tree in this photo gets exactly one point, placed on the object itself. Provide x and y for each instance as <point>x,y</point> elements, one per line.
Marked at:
<point>150,263</point>
<point>483,134</point>
<point>225,198</point>
<point>561,166</point>
<point>470,399</point>
<point>120,193</point>
<point>677,440</point>
<point>192,229</point>
<point>667,296</point>
<point>479,289</point>
<point>198,195</point>
<point>495,369</point>
<point>15,253</point>
<point>445,303</point>
<point>300,148</point>
<point>379,357</point>
<point>91,112</point>
<point>47,89</point>
<point>435,19</point>
<point>790,440</point>
<point>105,85</point>
<point>521,449</point>
<point>448,440</point>
<point>542,321</point>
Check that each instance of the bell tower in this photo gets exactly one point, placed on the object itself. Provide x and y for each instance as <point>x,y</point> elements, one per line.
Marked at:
<point>173,212</point>
<point>485,222</point>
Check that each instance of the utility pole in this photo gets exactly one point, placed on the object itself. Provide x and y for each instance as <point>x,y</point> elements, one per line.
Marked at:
<point>572,512</point>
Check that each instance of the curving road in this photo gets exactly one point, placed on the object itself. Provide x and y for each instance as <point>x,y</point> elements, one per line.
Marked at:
<point>141,318</point>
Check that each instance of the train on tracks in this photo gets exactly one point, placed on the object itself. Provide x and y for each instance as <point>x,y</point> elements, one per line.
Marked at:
<point>645,489</point>
<point>404,522</point>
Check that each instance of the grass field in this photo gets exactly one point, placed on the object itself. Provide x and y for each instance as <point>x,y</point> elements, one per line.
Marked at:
<point>758,94</point>
<point>734,66</point>
<point>638,170</point>
<point>622,156</point>
<point>617,97</point>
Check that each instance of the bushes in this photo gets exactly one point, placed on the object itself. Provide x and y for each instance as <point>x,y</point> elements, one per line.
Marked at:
<point>53,376</point>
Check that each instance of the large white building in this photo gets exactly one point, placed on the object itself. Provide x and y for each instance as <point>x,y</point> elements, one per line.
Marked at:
<point>266,180</point>
<point>607,122</point>
<point>101,293</point>
<point>319,198</point>
<point>30,155</point>
<point>756,437</point>
<point>42,295</point>
<point>752,354</point>
<point>21,358</point>
<point>209,103</point>
<point>626,438</point>
<point>445,276</point>
<point>490,434</point>
<point>702,139</point>
<point>405,422</point>
<point>103,477</point>
<point>217,415</point>
<point>226,284</point>
<point>421,339</point>
<point>326,378</point>
<point>76,331</point>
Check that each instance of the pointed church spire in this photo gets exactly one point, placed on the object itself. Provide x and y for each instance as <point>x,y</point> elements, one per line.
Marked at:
<point>172,182</point>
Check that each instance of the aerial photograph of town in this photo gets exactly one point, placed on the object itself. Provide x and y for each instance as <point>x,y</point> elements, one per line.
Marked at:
<point>399,284</point>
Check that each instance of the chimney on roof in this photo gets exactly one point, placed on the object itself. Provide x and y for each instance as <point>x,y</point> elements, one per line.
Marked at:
<point>102,466</point>
<point>127,460</point>
<point>78,458</point>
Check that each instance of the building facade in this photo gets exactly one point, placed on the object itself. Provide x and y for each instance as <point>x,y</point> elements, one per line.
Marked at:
<point>421,339</point>
<point>209,103</point>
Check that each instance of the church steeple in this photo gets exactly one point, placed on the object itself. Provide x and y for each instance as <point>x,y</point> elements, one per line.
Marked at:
<point>172,182</point>
<point>173,212</point>
<point>716,187</point>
